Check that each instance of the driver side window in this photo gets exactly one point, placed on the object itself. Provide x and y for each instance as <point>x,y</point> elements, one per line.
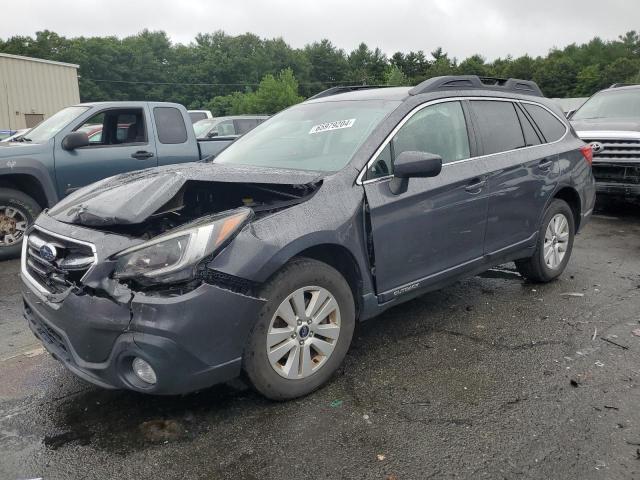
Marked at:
<point>439,129</point>
<point>115,127</point>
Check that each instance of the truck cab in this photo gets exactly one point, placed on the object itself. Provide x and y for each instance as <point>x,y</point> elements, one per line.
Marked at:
<point>85,143</point>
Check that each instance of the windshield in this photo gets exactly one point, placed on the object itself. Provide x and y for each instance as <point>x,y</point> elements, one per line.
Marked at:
<point>312,136</point>
<point>611,104</point>
<point>202,127</point>
<point>54,124</point>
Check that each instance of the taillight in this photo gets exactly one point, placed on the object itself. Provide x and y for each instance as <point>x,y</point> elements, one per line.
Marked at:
<point>587,153</point>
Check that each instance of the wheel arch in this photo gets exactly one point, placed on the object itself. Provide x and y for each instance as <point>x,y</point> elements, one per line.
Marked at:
<point>343,260</point>
<point>572,197</point>
<point>29,185</point>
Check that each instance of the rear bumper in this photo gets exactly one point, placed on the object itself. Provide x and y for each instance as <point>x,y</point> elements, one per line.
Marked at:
<point>192,341</point>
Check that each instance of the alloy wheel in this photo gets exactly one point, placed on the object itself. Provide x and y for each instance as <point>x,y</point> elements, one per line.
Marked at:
<point>303,332</point>
<point>556,241</point>
<point>13,223</point>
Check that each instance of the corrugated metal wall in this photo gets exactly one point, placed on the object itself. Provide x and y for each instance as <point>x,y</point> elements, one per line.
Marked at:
<point>34,87</point>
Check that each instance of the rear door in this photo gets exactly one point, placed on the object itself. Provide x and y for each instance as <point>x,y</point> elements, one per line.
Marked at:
<point>436,228</point>
<point>176,140</point>
<point>120,141</point>
<point>523,173</point>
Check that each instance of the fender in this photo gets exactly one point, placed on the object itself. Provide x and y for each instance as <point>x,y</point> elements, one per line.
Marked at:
<point>31,168</point>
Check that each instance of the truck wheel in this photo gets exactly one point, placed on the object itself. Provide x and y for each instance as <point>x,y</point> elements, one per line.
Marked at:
<point>555,243</point>
<point>303,331</point>
<point>17,212</point>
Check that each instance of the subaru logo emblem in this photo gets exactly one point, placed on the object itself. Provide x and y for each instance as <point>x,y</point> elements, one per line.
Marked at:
<point>48,252</point>
<point>304,332</point>
<point>597,147</point>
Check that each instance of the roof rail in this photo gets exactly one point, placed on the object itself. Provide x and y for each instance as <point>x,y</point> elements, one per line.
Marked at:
<point>471,82</point>
<point>344,89</point>
<point>618,85</point>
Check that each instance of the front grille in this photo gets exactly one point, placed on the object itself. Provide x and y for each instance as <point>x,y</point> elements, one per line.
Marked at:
<point>616,150</point>
<point>617,174</point>
<point>72,261</point>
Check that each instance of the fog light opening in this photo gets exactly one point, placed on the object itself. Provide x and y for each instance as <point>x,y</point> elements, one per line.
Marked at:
<point>144,371</point>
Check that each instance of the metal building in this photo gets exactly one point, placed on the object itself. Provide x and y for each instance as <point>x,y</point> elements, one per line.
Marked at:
<point>32,89</point>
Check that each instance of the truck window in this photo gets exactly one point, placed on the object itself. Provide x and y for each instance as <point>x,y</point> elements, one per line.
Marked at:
<point>225,129</point>
<point>498,125</point>
<point>115,128</point>
<point>197,116</point>
<point>243,125</point>
<point>170,125</point>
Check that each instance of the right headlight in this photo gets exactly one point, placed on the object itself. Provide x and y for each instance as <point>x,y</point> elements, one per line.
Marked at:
<point>173,257</point>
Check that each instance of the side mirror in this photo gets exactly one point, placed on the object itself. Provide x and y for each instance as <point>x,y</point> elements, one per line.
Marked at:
<point>212,133</point>
<point>569,114</point>
<point>75,140</point>
<point>413,164</point>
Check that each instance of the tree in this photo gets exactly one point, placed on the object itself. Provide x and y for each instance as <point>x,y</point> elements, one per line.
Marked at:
<point>221,70</point>
<point>396,77</point>
<point>367,67</point>
<point>273,94</point>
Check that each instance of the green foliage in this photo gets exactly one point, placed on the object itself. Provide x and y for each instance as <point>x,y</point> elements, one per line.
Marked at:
<point>396,77</point>
<point>273,94</point>
<point>246,73</point>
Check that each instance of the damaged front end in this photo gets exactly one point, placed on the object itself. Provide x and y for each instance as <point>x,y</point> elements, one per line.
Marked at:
<point>118,274</point>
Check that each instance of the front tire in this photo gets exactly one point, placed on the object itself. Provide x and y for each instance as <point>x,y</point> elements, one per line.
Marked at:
<point>554,245</point>
<point>303,331</point>
<point>17,212</point>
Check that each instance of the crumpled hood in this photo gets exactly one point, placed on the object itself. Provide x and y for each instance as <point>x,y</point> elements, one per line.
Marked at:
<point>606,124</point>
<point>131,198</point>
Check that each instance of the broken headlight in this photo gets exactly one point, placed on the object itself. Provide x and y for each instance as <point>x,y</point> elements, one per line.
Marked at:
<point>172,257</point>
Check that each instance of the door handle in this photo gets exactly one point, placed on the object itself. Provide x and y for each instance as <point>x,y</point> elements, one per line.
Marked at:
<point>545,164</point>
<point>476,185</point>
<point>141,155</point>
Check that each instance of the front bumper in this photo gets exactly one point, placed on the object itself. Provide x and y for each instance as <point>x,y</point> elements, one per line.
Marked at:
<point>192,341</point>
<point>618,189</point>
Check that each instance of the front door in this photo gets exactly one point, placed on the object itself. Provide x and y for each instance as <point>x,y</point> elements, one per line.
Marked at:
<point>119,141</point>
<point>436,227</point>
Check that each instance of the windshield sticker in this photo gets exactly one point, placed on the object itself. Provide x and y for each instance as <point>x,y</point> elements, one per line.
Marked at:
<point>325,127</point>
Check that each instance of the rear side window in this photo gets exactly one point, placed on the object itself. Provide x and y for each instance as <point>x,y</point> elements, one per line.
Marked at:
<point>243,125</point>
<point>170,125</point>
<point>197,116</point>
<point>552,128</point>
<point>498,125</point>
<point>530,136</point>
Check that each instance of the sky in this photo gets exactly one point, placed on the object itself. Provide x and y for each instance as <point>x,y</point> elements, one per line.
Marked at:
<point>492,28</point>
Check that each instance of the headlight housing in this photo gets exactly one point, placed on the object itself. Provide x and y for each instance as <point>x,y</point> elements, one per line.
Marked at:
<point>173,256</point>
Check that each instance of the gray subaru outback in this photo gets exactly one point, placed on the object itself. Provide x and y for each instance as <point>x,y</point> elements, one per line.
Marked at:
<point>170,280</point>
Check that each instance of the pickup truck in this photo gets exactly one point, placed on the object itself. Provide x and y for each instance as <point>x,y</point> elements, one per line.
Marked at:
<point>58,156</point>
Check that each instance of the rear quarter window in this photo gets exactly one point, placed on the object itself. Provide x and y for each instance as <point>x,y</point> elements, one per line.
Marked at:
<point>552,128</point>
<point>170,125</point>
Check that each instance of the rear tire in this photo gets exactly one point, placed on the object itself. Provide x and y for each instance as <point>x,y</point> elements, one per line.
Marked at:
<point>17,212</point>
<point>554,245</point>
<point>303,333</point>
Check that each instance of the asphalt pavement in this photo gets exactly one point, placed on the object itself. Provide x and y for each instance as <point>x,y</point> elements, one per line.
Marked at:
<point>492,377</point>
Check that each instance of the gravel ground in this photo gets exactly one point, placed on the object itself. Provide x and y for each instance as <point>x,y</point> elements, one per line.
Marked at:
<point>489,378</point>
